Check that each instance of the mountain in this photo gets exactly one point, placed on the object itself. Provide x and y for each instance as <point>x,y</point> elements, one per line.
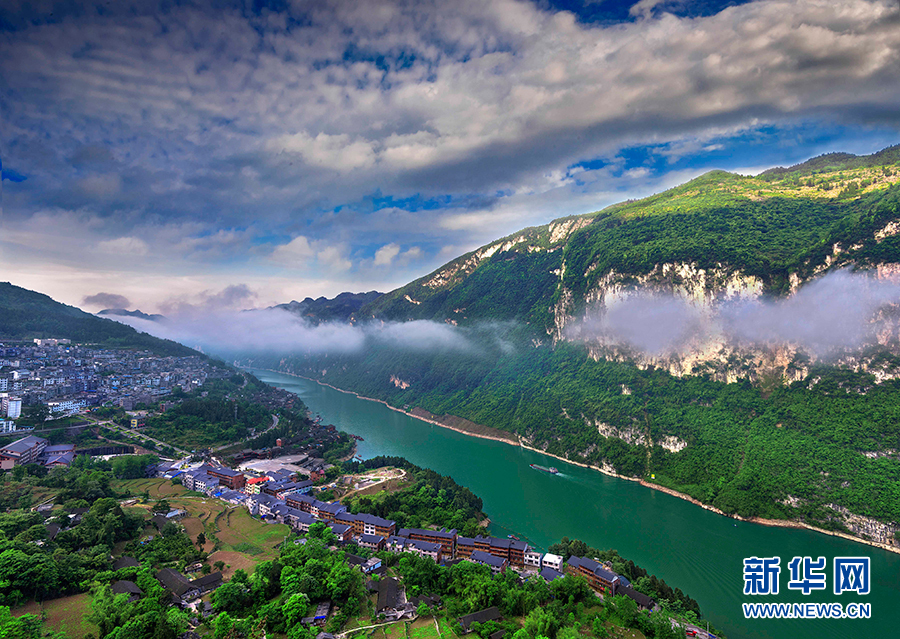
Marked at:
<point>121,312</point>
<point>26,314</point>
<point>342,308</point>
<point>718,237</point>
<point>769,430</point>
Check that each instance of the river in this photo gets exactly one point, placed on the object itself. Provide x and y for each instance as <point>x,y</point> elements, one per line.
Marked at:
<point>696,550</point>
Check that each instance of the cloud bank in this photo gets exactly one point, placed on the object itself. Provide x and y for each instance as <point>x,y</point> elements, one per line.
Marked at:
<point>838,312</point>
<point>276,331</point>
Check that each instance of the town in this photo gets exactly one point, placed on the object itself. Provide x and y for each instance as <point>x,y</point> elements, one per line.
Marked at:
<point>290,473</point>
<point>67,378</point>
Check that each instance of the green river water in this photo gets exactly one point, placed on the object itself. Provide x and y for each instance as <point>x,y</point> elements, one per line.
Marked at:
<point>698,551</point>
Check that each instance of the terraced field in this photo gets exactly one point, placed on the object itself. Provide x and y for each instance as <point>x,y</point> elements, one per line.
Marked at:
<point>65,614</point>
<point>243,541</point>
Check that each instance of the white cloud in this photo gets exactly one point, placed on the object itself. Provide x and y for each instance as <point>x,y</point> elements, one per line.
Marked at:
<point>334,258</point>
<point>301,252</point>
<point>338,152</point>
<point>295,253</point>
<point>124,246</point>
<point>386,254</point>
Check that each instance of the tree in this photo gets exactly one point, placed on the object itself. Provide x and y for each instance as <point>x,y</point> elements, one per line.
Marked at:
<point>223,624</point>
<point>220,565</point>
<point>201,539</point>
<point>295,608</point>
<point>162,506</point>
<point>109,611</point>
<point>233,597</point>
<point>540,622</point>
<point>24,627</point>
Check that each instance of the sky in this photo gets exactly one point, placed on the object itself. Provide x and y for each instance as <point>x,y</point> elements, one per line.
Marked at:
<point>228,155</point>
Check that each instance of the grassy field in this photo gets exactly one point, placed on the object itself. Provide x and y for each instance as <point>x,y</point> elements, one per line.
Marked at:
<point>242,532</point>
<point>424,628</point>
<point>233,561</point>
<point>66,614</point>
<point>157,487</point>
<point>244,541</point>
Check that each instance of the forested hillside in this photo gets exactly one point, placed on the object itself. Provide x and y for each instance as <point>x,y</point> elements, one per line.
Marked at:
<point>781,224</point>
<point>769,431</point>
<point>26,314</point>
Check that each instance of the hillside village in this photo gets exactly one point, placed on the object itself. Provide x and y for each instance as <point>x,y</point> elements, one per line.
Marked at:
<point>223,513</point>
<point>68,378</point>
<point>283,501</point>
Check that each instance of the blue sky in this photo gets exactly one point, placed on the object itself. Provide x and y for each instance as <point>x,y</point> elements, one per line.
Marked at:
<point>245,154</point>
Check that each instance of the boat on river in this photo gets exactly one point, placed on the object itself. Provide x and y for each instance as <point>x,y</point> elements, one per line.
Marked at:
<point>550,470</point>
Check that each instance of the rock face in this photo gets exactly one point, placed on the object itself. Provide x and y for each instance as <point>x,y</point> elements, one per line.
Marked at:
<point>866,527</point>
<point>717,240</point>
<point>709,350</point>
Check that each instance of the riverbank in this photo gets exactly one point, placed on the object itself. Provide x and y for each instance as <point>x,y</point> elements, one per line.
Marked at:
<point>485,432</point>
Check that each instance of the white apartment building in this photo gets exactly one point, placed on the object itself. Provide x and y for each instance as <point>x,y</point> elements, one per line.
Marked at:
<point>552,561</point>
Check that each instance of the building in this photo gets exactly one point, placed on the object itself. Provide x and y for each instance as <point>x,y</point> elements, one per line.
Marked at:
<point>207,583</point>
<point>598,577</point>
<point>58,455</point>
<point>396,544</point>
<point>329,510</point>
<point>392,601</point>
<point>517,550</point>
<point>263,504</point>
<point>301,521</point>
<point>177,584</point>
<point>496,564</point>
<point>343,532</point>
<point>22,451</point>
<point>432,550</point>
<point>12,407</point>
<point>129,588</point>
<point>70,405</point>
<point>643,601</point>
<point>301,502</point>
<point>277,488</point>
<point>512,550</point>
<point>488,614</point>
<point>206,483</point>
<point>126,562</point>
<point>552,561</point>
<point>371,565</point>
<point>375,542</point>
<point>366,524</point>
<point>8,426</point>
<point>233,497</point>
<point>254,485</point>
<point>447,539</point>
<point>465,546</point>
<point>549,574</point>
<point>532,559</point>
<point>227,477</point>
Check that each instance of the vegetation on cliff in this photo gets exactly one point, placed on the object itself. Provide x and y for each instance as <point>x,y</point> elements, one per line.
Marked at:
<point>27,314</point>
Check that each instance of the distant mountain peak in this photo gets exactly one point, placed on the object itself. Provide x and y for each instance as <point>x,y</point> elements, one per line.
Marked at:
<point>135,313</point>
<point>341,308</point>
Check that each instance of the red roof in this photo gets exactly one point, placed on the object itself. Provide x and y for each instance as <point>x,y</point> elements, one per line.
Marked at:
<point>257,480</point>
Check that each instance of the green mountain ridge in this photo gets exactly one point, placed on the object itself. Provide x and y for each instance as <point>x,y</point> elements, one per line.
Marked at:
<point>341,308</point>
<point>762,432</point>
<point>782,223</point>
<point>27,314</point>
